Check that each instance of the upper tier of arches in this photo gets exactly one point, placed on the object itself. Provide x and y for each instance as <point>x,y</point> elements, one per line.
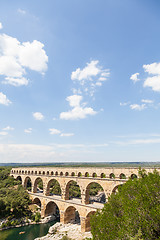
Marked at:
<point>86,174</point>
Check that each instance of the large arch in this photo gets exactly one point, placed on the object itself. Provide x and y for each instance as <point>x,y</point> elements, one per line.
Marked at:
<point>38,185</point>
<point>71,215</point>
<point>72,190</point>
<point>115,189</point>
<point>19,179</point>
<point>53,188</point>
<point>94,193</point>
<point>87,221</point>
<point>37,201</point>
<point>28,183</point>
<point>52,209</point>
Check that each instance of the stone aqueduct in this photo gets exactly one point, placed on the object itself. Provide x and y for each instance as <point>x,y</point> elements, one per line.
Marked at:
<point>108,178</point>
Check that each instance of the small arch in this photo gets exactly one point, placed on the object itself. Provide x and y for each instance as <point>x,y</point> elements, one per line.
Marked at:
<point>32,172</point>
<point>25,172</point>
<point>39,172</point>
<point>17,171</point>
<point>35,173</point>
<point>72,190</point>
<point>112,176</point>
<point>71,215</point>
<point>94,174</point>
<point>52,173</point>
<point>37,201</point>
<point>56,173</point>
<point>53,188</point>
<point>72,174</point>
<point>52,210</point>
<point>43,172</point>
<point>122,176</point>
<point>86,174</point>
<point>116,188</point>
<point>87,221</point>
<point>47,172</point>
<point>28,172</point>
<point>133,176</point>
<point>22,172</point>
<point>103,175</point>
<point>66,174</point>
<point>79,174</point>
<point>61,173</point>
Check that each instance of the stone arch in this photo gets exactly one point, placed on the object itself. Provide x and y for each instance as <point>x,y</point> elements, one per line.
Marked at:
<point>75,192</point>
<point>94,174</point>
<point>71,215</point>
<point>79,174</point>
<point>22,172</point>
<point>47,172</point>
<point>86,174</point>
<point>103,175</point>
<point>52,173</point>
<point>29,172</point>
<point>37,201</point>
<point>73,174</point>
<point>56,173</point>
<point>122,176</point>
<point>32,172</point>
<point>36,188</point>
<point>25,172</point>
<point>112,175</point>
<point>115,189</point>
<point>43,172</point>
<point>28,183</point>
<point>51,209</point>
<point>19,179</point>
<point>61,173</point>
<point>66,174</point>
<point>39,172</point>
<point>98,190</point>
<point>35,173</point>
<point>133,175</point>
<point>87,221</point>
<point>53,188</point>
<point>19,171</point>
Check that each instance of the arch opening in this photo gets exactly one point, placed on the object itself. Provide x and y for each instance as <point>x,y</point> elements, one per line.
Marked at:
<point>116,188</point>
<point>38,185</point>
<point>28,184</point>
<point>87,221</point>
<point>72,190</point>
<point>122,176</point>
<point>71,215</point>
<point>86,174</point>
<point>52,211</point>
<point>53,188</point>
<point>112,176</point>
<point>133,176</point>
<point>19,180</point>
<point>94,193</point>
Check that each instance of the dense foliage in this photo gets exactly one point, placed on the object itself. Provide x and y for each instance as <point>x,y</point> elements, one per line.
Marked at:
<point>14,200</point>
<point>132,213</point>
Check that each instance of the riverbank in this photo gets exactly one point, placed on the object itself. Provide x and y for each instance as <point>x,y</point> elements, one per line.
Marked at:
<point>72,231</point>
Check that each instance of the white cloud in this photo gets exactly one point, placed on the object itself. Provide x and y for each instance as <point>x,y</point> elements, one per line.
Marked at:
<point>147,101</point>
<point>153,68</point>
<point>67,134</point>
<point>21,11</point>
<point>1,26</point>
<point>16,58</point>
<point>8,128</point>
<point>28,130</point>
<point>153,82</point>
<point>134,77</point>
<point>78,112</point>
<point>38,116</point>
<point>3,133</point>
<point>90,77</point>
<point>138,107</point>
<point>124,103</point>
<point>54,131</point>
<point>16,81</point>
<point>4,100</point>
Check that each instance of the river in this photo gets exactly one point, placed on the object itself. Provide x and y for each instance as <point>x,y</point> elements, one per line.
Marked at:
<point>31,232</point>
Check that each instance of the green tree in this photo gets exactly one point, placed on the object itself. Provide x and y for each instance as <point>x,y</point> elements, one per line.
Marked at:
<point>135,206</point>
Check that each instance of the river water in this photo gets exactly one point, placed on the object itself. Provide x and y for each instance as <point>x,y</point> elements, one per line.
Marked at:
<point>31,232</point>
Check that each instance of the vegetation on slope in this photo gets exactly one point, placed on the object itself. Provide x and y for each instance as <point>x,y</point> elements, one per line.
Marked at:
<point>132,213</point>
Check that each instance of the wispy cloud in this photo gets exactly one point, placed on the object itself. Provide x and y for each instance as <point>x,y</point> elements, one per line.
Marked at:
<point>38,116</point>
<point>4,100</point>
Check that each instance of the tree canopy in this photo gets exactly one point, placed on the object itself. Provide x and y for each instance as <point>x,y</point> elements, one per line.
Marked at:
<point>132,213</point>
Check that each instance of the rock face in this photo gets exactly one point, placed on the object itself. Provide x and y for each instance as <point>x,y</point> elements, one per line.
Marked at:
<point>58,230</point>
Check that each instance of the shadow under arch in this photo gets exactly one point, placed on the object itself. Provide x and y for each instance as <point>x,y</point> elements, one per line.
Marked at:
<point>94,193</point>
<point>52,210</point>
<point>115,189</point>
<point>87,221</point>
<point>71,215</point>
<point>19,179</point>
<point>37,201</point>
<point>28,183</point>
<point>38,185</point>
<point>53,188</point>
<point>72,190</point>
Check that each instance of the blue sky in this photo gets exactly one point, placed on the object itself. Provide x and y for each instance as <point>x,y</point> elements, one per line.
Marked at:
<point>79,81</point>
